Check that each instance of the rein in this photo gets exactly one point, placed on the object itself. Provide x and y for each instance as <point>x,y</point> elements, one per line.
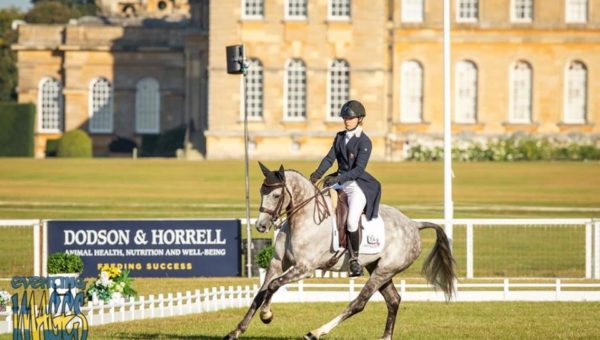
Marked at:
<point>321,210</point>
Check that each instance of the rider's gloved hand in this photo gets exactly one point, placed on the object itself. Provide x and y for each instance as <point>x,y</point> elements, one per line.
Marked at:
<point>331,180</point>
<point>314,177</point>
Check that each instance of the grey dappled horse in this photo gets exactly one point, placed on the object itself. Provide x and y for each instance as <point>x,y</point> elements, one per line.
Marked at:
<point>304,244</point>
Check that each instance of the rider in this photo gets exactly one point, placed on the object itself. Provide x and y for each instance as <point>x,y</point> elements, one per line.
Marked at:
<point>352,148</point>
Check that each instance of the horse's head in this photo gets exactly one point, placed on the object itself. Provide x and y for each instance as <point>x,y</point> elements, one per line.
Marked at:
<point>274,196</point>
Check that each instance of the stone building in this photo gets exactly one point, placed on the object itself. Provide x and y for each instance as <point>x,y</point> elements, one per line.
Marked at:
<point>517,65</point>
<point>123,74</point>
<point>145,66</point>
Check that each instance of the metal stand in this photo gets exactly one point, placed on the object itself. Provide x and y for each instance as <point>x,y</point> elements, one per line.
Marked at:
<point>246,168</point>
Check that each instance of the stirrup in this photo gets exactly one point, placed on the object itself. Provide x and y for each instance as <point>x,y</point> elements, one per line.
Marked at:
<point>355,269</point>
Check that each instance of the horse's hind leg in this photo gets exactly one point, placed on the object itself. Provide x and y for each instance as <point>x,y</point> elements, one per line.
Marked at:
<point>376,281</point>
<point>392,300</point>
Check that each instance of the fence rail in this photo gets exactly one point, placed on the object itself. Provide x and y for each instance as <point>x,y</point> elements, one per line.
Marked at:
<point>219,298</point>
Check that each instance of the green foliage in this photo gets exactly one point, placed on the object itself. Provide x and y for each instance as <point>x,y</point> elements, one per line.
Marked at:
<point>64,263</point>
<point>51,12</point>
<point>517,147</point>
<point>75,144</point>
<point>263,259</point>
<point>163,145</point>
<point>8,69</point>
<point>16,129</point>
<point>111,282</point>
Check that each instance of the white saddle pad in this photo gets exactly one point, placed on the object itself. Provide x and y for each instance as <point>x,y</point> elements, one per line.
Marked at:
<point>373,236</point>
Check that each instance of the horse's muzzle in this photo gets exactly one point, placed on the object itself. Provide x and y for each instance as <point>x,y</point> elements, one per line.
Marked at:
<point>263,224</point>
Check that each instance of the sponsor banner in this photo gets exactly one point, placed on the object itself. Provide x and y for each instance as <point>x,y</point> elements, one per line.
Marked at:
<point>167,248</point>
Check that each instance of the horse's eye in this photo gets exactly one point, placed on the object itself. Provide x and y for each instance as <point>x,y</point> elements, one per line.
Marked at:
<point>276,195</point>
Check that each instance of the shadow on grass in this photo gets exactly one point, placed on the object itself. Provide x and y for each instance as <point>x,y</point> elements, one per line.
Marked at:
<point>198,337</point>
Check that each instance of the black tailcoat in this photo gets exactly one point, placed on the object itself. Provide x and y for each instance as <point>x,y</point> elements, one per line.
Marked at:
<point>352,161</point>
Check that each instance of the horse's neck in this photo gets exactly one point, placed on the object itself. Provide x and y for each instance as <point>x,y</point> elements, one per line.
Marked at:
<point>313,213</point>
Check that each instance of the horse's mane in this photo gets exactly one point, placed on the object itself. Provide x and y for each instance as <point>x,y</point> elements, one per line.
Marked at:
<point>296,171</point>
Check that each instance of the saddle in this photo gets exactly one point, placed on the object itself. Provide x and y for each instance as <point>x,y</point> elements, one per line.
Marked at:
<point>341,214</point>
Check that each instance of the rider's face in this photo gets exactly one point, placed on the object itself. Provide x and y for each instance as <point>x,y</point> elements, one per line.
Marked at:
<point>350,122</point>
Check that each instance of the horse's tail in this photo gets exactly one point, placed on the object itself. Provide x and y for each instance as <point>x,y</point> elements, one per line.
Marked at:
<point>438,268</point>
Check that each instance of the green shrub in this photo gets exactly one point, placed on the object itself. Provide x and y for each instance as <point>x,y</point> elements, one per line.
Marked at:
<point>64,263</point>
<point>75,144</point>
<point>263,259</point>
<point>16,129</point>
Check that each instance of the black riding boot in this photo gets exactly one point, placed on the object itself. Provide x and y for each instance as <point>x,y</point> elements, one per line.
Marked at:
<point>354,244</point>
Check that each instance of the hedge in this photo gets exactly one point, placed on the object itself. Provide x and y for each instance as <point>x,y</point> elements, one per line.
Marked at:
<point>165,144</point>
<point>17,123</point>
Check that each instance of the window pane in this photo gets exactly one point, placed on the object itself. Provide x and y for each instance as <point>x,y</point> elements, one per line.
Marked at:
<point>254,90</point>
<point>466,92</point>
<point>253,9</point>
<point>295,90</point>
<point>101,114</point>
<point>147,106</point>
<point>339,86</point>
<point>296,9</point>
<point>412,10</point>
<point>576,11</point>
<point>339,9</point>
<point>520,111</point>
<point>411,92</point>
<point>51,105</point>
<point>576,93</point>
<point>468,10</point>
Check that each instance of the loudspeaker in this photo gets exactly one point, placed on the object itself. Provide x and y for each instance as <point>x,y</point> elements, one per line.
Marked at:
<point>235,59</point>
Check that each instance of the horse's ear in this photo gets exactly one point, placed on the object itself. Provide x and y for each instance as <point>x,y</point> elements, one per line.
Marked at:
<point>264,169</point>
<point>281,171</point>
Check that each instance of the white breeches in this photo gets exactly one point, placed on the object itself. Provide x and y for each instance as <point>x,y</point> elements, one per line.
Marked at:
<point>356,204</point>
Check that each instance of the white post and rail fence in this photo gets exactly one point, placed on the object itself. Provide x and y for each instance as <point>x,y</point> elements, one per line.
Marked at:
<point>582,286</point>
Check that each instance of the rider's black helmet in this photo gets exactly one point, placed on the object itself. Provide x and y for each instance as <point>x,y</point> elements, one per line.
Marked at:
<point>353,108</point>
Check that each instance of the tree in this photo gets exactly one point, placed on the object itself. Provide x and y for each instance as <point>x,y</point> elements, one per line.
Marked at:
<point>8,69</point>
<point>51,12</point>
<point>84,7</point>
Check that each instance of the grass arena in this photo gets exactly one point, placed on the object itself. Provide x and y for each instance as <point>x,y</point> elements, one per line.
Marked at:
<point>119,188</point>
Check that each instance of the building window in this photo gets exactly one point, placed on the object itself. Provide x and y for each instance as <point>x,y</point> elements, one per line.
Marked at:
<point>411,87</point>
<point>576,93</point>
<point>296,9</point>
<point>522,10</point>
<point>295,90</point>
<point>576,11</point>
<point>520,93</point>
<point>101,106</point>
<point>147,106</point>
<point>253,9</point>
<point>467,10</point>
<point>252,101</point>
<point>412,10</point>
<point>50,105</point>
<point>338,88</point>
<point>466,92</point>
<point>339,10</point>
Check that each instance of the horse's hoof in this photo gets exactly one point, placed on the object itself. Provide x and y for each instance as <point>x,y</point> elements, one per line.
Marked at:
<point>266,318</point>
<point>310,336</point>
<point>229,337</point>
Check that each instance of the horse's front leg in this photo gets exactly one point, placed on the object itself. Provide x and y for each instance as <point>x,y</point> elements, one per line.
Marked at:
<point>293,274</point>
<point>275,269</point>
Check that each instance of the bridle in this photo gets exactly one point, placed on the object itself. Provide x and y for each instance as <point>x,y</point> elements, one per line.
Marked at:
<point>321,209</point>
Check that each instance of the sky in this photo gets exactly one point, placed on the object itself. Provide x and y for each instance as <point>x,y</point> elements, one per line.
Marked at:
<point>22,4</point>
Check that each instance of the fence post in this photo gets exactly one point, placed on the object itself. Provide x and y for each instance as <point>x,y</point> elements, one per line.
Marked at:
<point>239,296</point>
<point>557,289</point>
<point>37,253</point>
<point>214,297</point>
<point>469,250</point>
<point>90,314</point>
<point>151,301</point>
<point>188,299</point>
<point>101,312</point>
<point>231,297</point>
<point>588,250</point>
<point>597,250</point>
<point>132,308</point>
<point>350,289</point>
<point>301,291</point>
<point>506,289</point>
<point>161,305</point>
<point>198,300</point>
<point>170,304</point>
<point>142,308</point>
<point>179,304</point>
